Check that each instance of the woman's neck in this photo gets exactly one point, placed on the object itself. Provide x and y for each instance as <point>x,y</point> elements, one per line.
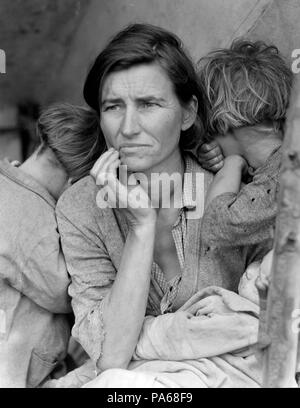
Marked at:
<point>163,180</point>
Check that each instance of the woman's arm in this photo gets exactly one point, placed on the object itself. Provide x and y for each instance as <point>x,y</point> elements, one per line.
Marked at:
<point>126,303</point>
<point>228,179</point>
<point>109,305</point>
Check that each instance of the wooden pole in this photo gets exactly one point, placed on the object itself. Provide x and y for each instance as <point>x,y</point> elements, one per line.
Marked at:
<point>283,304</point>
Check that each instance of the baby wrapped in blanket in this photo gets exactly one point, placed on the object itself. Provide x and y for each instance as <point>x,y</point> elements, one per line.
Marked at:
<point>208,343</point>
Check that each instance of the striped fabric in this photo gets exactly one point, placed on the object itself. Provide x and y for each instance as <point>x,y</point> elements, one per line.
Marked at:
<point>170,288</point>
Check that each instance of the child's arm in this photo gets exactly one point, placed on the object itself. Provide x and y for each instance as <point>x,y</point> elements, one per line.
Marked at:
<point>248,216</point>
<point>228,179</point>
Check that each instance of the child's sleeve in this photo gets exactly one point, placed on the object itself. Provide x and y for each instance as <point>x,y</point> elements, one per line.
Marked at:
<point>45,279</point>
<point>245,218</point>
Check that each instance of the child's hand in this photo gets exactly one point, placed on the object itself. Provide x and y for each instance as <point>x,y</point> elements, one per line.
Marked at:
<point>210,156</point>
<point>14,163</point>
<point>263,281</point>
<point>208,305</point>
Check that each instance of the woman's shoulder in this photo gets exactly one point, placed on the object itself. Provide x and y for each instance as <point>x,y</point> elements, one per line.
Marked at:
<point>192,166</point>
<point>80,199</point>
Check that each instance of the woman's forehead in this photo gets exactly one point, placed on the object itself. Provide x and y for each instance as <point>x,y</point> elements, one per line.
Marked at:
<point>137,81</point>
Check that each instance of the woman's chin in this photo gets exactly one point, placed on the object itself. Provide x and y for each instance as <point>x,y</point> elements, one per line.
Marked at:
<point>136,165</point>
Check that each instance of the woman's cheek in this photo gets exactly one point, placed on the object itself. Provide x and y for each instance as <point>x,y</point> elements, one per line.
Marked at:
<point>109,134</point>
<point>168,126</point>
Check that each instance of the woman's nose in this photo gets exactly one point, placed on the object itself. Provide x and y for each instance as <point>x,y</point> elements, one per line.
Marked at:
<point>130,124</point>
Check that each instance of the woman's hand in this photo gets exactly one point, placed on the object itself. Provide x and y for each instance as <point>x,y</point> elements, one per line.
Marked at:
<point>124,192</point>
<point>210,156</point>
<point>126,301</point>
<point>210,304</point>
<point>264,278</point>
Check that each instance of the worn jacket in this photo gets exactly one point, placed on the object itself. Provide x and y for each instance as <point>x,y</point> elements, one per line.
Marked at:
<point>34,330</point>
<point>93,240</point>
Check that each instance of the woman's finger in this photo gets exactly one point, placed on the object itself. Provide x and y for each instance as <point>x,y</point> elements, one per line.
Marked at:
<point>192,309</point>
<point>101,161</point>
<point>120,192</point>
<point>94,170</point>
<point>204,311</point>
<point>112,167</point>
<point>102,178</point>
<point>111,162</point>
<point>123,175</point>
<point>198,305</point>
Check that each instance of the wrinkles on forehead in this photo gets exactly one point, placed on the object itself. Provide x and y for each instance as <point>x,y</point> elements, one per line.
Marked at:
<point>138,82</point>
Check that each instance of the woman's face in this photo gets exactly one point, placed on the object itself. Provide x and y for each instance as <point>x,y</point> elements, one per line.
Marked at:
<point>141,117</point>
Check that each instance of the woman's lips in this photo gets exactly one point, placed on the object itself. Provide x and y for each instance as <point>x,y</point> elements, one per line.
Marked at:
<point>132,146</point>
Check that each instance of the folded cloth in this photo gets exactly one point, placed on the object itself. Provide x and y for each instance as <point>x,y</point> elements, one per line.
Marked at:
<point>75,378</point>
<point>187,349</point>
<point>185,335</point>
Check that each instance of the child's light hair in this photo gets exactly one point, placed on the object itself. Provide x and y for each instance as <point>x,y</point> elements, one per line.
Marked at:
<point>74,136</point>
<point>246,85</point>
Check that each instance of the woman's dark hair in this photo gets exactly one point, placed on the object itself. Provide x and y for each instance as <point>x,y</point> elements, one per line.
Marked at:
<point>145,43</point>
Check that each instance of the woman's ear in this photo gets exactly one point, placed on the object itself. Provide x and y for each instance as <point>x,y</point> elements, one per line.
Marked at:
<point>190,113</point>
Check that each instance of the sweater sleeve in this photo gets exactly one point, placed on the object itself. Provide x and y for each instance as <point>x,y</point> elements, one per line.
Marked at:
<point>246,218</point>
<point>92,275</point>
<point>34,265</point>
<point>44,277</point>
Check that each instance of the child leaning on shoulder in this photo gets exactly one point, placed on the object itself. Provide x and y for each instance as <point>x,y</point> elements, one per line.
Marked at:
<point>247,88</point>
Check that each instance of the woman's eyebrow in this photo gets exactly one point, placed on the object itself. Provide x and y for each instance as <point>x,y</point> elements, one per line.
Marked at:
<point>111,100</point>
<point>148,98</point>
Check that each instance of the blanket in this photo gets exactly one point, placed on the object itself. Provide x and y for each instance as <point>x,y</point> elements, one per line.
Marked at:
<point>187,349</point>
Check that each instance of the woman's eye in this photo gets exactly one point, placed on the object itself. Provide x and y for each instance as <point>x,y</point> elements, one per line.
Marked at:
<point>149,104</point>
<point>111,108</point>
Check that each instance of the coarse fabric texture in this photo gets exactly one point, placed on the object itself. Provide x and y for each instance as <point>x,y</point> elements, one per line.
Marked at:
<point>187,349</point>
<point>34,329</point>
<point>93,240</point>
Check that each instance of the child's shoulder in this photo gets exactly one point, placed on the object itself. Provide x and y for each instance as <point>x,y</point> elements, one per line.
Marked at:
<point>272,166</point>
